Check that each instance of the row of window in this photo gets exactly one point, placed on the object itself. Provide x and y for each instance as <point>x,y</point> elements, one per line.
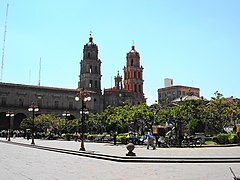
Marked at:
<point>132,74</point>
<point>173,94</point>
<point>90,84</point>
<point>136,88</point>
<point>20,103</point>
<point>91,69</point>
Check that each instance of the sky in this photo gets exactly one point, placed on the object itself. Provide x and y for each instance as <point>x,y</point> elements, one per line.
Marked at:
<point>195,43</point>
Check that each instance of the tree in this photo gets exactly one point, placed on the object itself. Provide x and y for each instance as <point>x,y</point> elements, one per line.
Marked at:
<point>217,114</point>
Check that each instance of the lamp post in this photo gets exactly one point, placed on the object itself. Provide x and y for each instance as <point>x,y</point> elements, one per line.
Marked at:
<point>33,108</point>
<point>66,114</point>
<point>84,96</point>
<point>10,115</point>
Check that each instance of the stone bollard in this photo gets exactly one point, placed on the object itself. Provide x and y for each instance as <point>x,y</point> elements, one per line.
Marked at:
<point>130,148</point>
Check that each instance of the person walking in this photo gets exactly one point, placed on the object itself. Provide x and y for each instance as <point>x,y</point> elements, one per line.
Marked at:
<point>150,139</point>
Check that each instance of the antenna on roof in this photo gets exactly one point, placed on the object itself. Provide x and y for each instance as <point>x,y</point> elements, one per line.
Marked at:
<point>111,81</point>
<point>39,81</point>
<point>4,42</point>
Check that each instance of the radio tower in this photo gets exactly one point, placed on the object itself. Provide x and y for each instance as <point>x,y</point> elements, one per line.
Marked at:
<point>4,42</point>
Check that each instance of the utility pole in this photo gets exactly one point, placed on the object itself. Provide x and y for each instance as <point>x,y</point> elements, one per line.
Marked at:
<point>4,42</point>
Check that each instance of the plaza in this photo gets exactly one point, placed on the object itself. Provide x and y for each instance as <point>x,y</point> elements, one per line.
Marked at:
<point>19,162</point>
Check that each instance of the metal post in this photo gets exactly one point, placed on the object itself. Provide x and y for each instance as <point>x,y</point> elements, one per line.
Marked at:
<point>33,143</point>
<point>82,148</point>
<point>32,109</point>
<point>10,115</point>
<point>9,130</point>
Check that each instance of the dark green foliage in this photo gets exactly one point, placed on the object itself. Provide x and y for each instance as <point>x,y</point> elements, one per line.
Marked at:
<point>196,126</point>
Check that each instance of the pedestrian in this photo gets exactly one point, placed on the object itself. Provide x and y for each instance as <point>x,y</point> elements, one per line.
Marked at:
<point>75,136</point>
<point>150,139</point>
<point>115,138</point>
<point>6,134</point>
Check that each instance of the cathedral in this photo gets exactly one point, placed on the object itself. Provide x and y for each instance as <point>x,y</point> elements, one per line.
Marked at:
<point>16,98</point>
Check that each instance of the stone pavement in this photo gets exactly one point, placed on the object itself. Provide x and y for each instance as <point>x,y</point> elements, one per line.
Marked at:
<point>19,162</point>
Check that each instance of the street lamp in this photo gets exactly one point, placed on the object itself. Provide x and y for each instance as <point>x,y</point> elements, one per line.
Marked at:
<point>84,96</point>
<point>10,115</point>
<point>66,114</point>
<point>178,125</point>
<point>33,108</point>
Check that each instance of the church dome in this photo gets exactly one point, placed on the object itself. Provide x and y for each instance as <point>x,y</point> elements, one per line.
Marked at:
<point>90,43</point>
<point>132,53</point>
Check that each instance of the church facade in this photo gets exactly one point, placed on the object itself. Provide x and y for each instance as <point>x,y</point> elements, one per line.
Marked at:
<point>17,98</point>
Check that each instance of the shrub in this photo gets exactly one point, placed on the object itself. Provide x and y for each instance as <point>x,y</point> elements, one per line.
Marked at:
<point>225,138</point>
<point>122,137</point>
<point>232,138</point>
<point>91,136</point>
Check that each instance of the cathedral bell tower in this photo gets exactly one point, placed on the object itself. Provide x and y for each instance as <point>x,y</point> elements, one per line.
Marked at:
<point>133,76</point>
<point>90,75</point>
<point>118,82</point>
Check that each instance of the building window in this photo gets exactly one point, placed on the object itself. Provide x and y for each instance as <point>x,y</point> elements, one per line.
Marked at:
<point>4,101</point>
<point>96,71</point>
<point>70,105</point>
<point>95,84</point>
<point>20,102</point>
<point>135,74</point>
<point>178,93</point>
<point>131,62</point>
<point>39,102</point>
<point>90,83</point>
<point>88,55</point>
<point>56,104</point>
<point>90,69</point>
<point>140,89</point>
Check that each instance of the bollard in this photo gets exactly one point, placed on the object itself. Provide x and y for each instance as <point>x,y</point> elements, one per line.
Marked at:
<point>130,148</point>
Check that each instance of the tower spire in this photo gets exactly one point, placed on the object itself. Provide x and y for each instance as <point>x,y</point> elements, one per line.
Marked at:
<point>90,38</point>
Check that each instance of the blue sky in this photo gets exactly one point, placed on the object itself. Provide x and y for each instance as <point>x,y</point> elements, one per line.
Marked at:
<point>196,43</point>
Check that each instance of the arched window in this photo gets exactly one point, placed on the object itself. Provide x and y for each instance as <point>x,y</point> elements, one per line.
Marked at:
<point>4,101</point>
<point>70,105</point>
<point>95,83</point>
<point>56,104</point>
<point>88,55</point>
<point>90,83</point>
<point>131,62</point>
<point>90,69</point>
<point>140,88</point>
<point>20,102</point>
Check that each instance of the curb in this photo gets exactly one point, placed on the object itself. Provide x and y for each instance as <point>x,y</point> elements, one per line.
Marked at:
<point>132,159</point>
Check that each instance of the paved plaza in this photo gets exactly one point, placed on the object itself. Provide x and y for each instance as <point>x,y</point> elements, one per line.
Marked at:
<point>18,162</point>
